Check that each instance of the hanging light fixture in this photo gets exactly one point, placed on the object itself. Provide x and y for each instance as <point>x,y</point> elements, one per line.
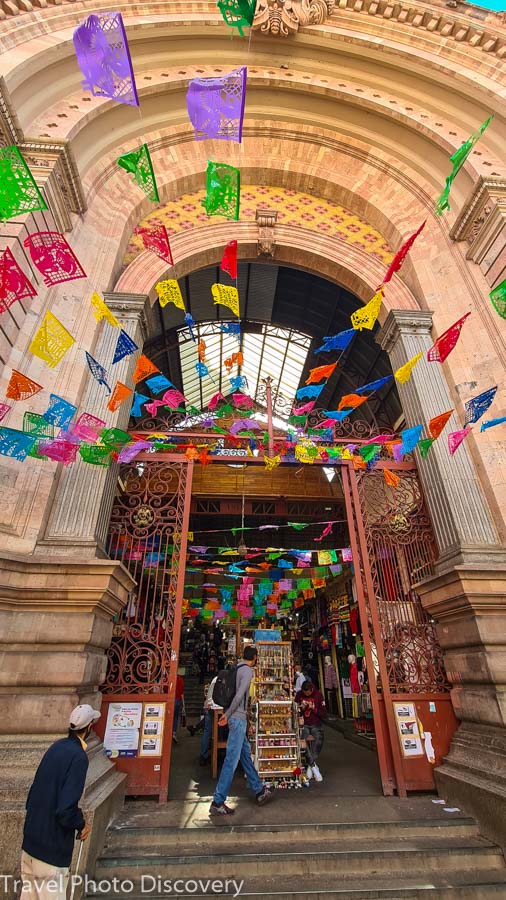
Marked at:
<point>241,547</point>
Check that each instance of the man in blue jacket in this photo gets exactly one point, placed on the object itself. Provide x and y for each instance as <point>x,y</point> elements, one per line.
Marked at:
<point>53,816</point>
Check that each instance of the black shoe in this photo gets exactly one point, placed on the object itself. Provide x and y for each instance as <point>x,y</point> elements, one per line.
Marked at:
<point>203,760</point>
<point>220,809</point>
<point>264,796</point>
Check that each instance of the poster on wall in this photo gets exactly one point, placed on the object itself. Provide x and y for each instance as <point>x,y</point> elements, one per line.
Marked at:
<point>407,727</point>
<point>121,737</point>
<point>152,729</point>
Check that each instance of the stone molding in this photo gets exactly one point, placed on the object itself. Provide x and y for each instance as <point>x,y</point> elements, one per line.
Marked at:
<point>266,220</point>
<point>285,17</point>
<point>480,589</point>
<point>482,218</point>
<point>403,322</point>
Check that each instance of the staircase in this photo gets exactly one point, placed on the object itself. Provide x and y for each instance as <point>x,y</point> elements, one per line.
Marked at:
<point>193,691</point>
<point>439,858</point>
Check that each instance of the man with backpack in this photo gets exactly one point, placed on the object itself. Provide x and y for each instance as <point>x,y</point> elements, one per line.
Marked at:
<point>232,691</point>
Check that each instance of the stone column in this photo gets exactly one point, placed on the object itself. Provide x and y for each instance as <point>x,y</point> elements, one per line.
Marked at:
<point>467,594</point>
<point>81,507</point>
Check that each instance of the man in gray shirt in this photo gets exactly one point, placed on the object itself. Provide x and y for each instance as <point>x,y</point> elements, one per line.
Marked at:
<point>238,747</point>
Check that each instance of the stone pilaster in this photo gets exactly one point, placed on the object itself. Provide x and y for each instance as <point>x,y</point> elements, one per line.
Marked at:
<point>466,595</point>
<point>82,502</point>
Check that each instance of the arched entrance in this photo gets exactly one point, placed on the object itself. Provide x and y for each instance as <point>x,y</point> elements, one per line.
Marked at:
<point>387,531</point>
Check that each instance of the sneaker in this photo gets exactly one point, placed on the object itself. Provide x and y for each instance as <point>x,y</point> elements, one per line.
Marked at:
<point>317,774</point>
<point>174,738</point>
<point>309,773</point>
<point>220,809</point>
<point>264,796</point>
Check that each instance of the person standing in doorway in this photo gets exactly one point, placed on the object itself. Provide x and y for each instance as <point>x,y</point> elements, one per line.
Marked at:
<point>53,817</point>
<point>209,707</point>
<point>178,705</point>
<point>238,747</point>
<point>300,678</point>
<point>312,708</point>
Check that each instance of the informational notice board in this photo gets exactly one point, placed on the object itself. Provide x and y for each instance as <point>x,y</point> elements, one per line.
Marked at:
<point>134,729</point>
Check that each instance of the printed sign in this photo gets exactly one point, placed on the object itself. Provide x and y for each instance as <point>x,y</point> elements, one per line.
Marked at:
<point>407,726</point>
<point>152,729</point>
<point>122,729</point>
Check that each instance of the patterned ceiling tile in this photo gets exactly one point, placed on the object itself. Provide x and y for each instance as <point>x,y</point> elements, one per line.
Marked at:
<point>293,208</point>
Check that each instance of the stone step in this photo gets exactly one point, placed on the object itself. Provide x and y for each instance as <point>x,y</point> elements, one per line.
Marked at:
<point>345,861</point>
<point>132,838</point>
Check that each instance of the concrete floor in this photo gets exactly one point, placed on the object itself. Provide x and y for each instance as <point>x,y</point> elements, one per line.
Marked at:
<point>350,792</point>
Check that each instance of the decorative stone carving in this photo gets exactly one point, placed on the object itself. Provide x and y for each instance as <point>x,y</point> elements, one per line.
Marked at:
<point>286,16</point>
<point>266,220</point>
<point>482,220</point>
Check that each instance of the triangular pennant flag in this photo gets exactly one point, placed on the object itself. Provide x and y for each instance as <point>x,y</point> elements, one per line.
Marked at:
<point>223,187</point>
<point>120,393</point>
<point>143,368</point>
<point>4,409</point>
<point>401,254</point>
<point>437,424</point>
<point>458,159</point>
<point>370,451</point>
<point>59,412</point>
<point>365,316</point>
<point>51,341</point>
<point>216,106</point>
<point>103,56</point>
<point>173,398</point>
<point>16,444</point>
<point>19,193</point>
<point>169,292</point>
<point>337,341</point>
<point>14,284</point>
<point>158,383</point>
<point>391,478</point>
<point>20,387</point>
<point>351,401</point>
<point>374,385</point>
<point>102,311</point>
<point>320,372</point>
<point>156,239</point>
<point>424,446</point>
<point>490,423</point>
<point>215,399</point>
<point>271,462</point>
<point>201,369</point>
<point>189,320</point>
<point>138,163</point>
<point>229,259</point>
<point>138,401</point>
<point>498,298</point>
<point>455,439</point>
<point>226,295</point>
<point>124,346</point>
<point>476,407</point>
<point>53,257</point>
<point>403,373</point>
<point>444,345</point>
<point>410,438</point>
<point>97,370</point>
<point>337,416</point>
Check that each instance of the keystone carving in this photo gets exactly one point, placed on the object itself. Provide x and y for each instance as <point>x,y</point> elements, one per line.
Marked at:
<point>482,220</point>
<point>285,17</point>
<point>266,220</point>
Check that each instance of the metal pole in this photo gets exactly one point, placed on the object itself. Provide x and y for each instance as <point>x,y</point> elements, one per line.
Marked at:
<point>268,402</point>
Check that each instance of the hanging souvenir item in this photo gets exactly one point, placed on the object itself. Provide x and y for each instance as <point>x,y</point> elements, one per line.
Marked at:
<point>14,284</point>
<point>138,163</point>
<point>437,423</point>
<point>59,412</point>
<point>103,56</point>
<point>337,341</point>
<point>229,259</point>
<point>143,368</point>
<point>490,423</point>
<point>403,373</point>
<point>444,345</point>
<point>124,346</point>
<point>401,254</point>
<point>102,311</point>
<point>391,478</point>
<point>19,193</point>
<point>498,298</point>
<point>424,446</point>
<point>156,239</point>
<point>477,406</point>
<point>169,292</point>
<point>238,13</point>
<point>320,372</point>
<point>455,439</point>
<point>216,106</point>
<point>98,371</point>
<point>373,385</point>
<point>226,295</point>
<point>53,257</point>
<point>16,444</point>
<point>20,387</point>
<point>51,341</point>
<point>223,189</point>
<point>365,316</point>
<point>4,409</point>
<point>458,159</point>
<point>271,462</point>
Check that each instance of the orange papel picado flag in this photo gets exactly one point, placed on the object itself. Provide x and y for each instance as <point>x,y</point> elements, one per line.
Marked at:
<point>320,373</point>
<point>351,401</point>
<point>118,396</point>
<point>437,424</point>
<point>143,368</point>
<point>391,478</point>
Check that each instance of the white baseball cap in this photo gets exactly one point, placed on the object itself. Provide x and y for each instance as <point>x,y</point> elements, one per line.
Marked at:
<point>82,716</point>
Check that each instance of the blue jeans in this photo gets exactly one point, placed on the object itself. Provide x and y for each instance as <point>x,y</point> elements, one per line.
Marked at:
<point>206,737</point>
<point>238,748</point>
<point>177,712</point>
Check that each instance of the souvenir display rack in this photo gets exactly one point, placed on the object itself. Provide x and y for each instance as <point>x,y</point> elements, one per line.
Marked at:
<point>276,747</point>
